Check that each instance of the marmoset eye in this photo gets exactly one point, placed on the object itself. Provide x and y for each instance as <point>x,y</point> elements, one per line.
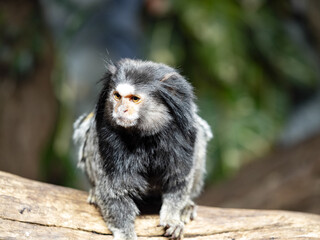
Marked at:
<point>135,99</point>
<point>117,96</point>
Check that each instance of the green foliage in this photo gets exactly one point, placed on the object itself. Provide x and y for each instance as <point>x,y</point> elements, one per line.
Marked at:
<point>244,65</point>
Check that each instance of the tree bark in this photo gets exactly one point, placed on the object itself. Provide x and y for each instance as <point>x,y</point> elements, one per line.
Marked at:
<point>34,210</point>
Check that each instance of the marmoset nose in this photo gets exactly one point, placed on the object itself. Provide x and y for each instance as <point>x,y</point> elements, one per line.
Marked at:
<point>123,109</point>
<point>124,106</point>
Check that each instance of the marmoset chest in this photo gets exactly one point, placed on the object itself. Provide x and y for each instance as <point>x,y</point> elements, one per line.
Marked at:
<point>156,158</point>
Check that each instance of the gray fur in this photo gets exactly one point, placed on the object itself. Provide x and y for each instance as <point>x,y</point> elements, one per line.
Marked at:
<point>162,153</point>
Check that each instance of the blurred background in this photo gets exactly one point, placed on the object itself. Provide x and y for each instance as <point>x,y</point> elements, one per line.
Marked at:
<point>254,65</point>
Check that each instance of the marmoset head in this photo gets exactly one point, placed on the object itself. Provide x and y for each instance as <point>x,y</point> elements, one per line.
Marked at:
<point>144,95</point>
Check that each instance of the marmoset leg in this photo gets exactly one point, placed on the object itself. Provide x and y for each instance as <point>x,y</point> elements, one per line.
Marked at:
<point>170,213</point>
<point>92,197</point>
<point>119,212</point>
<point>189,212</point>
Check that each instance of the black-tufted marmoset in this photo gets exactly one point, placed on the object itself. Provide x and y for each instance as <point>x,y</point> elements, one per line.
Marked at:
<point>144,138</point>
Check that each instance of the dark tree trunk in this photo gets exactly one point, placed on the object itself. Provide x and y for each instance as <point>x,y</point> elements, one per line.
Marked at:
<point>27,103</point>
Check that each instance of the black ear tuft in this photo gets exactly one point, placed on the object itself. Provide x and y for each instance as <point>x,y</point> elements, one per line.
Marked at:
<point>108,83</point>
<point>177,94</point>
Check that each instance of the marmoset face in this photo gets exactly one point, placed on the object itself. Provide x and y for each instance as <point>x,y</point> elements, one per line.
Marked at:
<point>127,104</point>
<point>133,107</point>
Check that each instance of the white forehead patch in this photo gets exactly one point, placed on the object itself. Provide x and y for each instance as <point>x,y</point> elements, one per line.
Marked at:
<point>125,89</point>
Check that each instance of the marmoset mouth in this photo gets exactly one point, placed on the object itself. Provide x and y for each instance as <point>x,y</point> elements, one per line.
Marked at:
<point>125,122</point>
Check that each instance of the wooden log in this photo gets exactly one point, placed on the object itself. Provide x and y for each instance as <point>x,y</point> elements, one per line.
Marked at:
<point>34,210</point>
